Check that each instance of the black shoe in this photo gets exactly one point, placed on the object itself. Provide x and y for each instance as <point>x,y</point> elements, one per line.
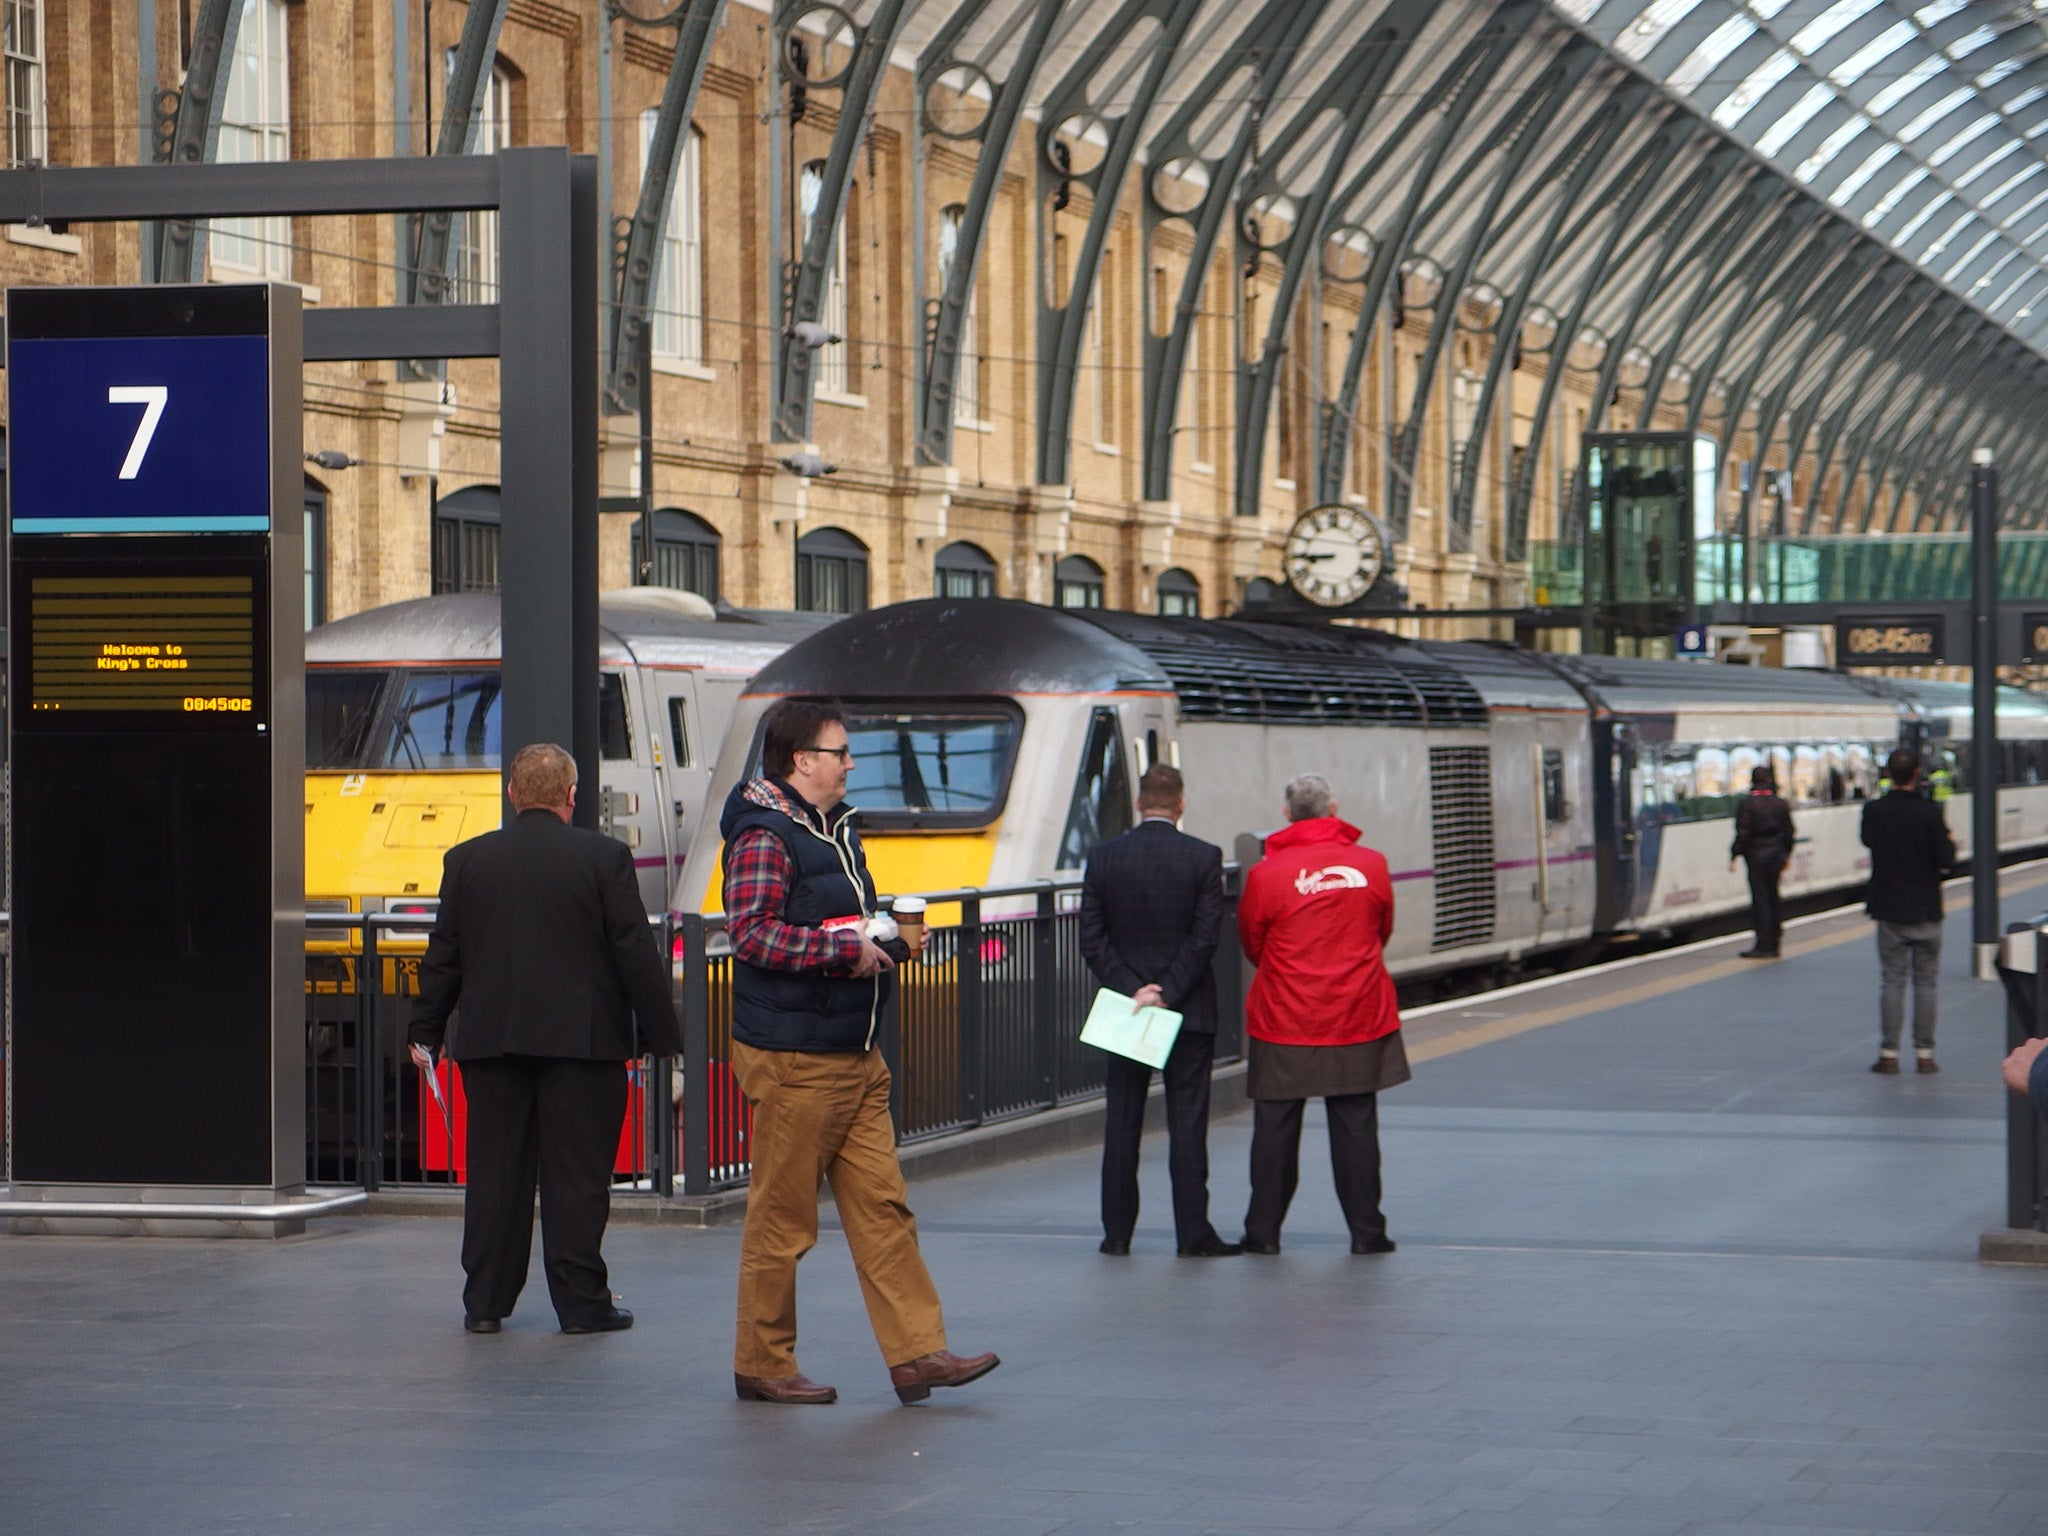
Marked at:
<point>1372,1245</point>
<point>480,1324</point>
<point>1758,954</point>
<point>617,1319</point>
<point>1247,1244</point>
<point>1211,1247</point>
<point>1115,1247</point>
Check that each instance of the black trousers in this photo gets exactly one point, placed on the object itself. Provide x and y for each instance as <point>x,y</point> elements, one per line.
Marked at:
<point>1763,903</point>
<point>1354,1164</point>
<point>551,1122</point>
<point>1187,1138</point>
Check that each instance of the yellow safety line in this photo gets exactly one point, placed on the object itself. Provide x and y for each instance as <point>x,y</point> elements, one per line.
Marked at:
<point>1450,1044</point>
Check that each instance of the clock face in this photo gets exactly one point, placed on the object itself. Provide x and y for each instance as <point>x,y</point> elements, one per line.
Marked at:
<point>1334,554</point>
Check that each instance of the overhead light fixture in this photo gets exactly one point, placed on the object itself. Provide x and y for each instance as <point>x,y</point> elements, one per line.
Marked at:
<point>809,333</point>
<point>332,458</point>
<point>808,465</point>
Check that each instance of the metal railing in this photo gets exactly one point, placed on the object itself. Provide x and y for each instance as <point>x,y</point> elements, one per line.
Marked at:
<point>984,1027</point>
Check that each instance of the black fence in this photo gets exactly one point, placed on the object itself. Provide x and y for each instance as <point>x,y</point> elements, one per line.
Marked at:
<point>984,1027</point>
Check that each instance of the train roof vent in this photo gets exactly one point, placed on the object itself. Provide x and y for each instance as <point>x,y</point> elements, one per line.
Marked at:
<point>1296,675</point>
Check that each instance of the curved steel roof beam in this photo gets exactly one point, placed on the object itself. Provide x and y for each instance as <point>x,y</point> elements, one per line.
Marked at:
<point>1897,404</point>
<point>469,76</point>
<point>1920,325</point>
<point>195,131</point>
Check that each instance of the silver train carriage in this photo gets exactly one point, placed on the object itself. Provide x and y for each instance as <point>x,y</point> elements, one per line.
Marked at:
<point>1524,801</point>
<point>403,743</point>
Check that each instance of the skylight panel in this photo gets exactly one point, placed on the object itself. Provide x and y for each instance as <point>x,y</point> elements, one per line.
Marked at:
<point>1934,114</point>
<point>1753,90</point>
<point>2025,99</point>
<point>1997,72</point>
<point>1768,8</point>
<point>1709,55</point>
<point>1970,42</point>
<point>1961,141</point>
<point>1644,32</point>
<point>1988,164</point>
<point>1942,243</point>
<point>1938,12</point>
<point>1919,220</point>
<point>1830,147</point>
<point>1963,262</point>
<point>1878,159</point>
<point>1816,34</point>
<point>2024,208</point>
<point>1873,53</point>
<point>1891,199</point>
<point>1579,10</point>
<point>1907,84</point>
<point>1802,111</point>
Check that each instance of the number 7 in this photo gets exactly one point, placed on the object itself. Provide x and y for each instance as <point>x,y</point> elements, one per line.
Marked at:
<point>151,396</point>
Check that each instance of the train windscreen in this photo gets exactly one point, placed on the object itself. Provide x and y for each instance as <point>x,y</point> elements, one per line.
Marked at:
<point>341,707</point>
<point>931,768</point>
<point>374,717</point>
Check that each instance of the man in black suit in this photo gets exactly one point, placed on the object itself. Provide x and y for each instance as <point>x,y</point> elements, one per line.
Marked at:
<point>1151,913</point>
<point>543,939</point>
<point>1910,851</point>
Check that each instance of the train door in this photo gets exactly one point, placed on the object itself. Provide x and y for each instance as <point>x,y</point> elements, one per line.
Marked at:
<point>1555,886</point>
<point>688,754</point>
<point>1145,720</point>
<point>1614,823</point>
<point>630,791</point>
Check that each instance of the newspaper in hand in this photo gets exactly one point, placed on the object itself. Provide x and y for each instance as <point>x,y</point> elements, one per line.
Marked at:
<point>1116,1023</point>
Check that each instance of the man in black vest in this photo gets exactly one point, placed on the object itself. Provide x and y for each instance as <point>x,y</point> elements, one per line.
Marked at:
<point>1910,851</point>
<point>542,938</point>
<point>807,994</point>
<point>1151,915</point>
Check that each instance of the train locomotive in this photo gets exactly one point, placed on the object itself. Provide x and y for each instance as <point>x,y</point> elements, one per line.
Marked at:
<point>1526,802</point>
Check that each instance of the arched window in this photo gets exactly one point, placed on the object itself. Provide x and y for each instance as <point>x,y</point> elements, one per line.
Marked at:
<point>1261,592</point>
<point>677,298</point>
<point>1077,583</point>
<point>316,552</point>
<point>963,570</point>
<point>831,572</point>
<point>466,540</point>
<point>473,250</point>
<point>1180,595</point>
<point>685,553</point>
<point>255,126</point>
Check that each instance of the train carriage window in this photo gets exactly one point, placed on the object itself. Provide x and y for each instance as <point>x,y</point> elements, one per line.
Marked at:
<point>1101,806</point>
<point>614,733</point>
<point>1742,762</point>
<point>1859,762</point>
<point>931,769</point>
<point>1834,773</point>
<point>1675,782</point>
<point>340,708</point>
<point>1808,784</point>
<point>679,731</point>
<point>1554,806</point>
<point>1781,769</point>
<point>447,720</point>
<point>1710,782</point>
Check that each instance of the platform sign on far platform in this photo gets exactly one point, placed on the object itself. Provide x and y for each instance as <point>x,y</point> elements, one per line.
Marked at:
<point>155,583</point>
<point>1692,642</point>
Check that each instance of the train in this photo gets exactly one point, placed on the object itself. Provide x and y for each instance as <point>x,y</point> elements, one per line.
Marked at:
<point>403,736</point>
<point>1526,802</point>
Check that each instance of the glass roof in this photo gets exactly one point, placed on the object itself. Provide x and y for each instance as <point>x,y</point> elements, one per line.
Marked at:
<point>1925,123</point>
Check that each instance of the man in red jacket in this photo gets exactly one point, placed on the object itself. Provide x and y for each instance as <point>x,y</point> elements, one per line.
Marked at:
<point>1322,1021</point>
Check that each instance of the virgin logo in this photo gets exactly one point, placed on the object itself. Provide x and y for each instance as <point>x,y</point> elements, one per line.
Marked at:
<point>1338,877</point>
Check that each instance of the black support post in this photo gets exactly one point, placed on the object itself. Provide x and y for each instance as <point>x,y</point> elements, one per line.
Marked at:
<point>1983,715</point>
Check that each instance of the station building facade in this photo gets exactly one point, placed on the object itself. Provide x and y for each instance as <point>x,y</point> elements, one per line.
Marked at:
<point>416,509</point>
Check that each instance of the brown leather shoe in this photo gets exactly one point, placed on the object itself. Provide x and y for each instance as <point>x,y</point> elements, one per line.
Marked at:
<point>1925,1065</point>
<point>1887,1066</point>
<point>781,1389</point>
<point>914,1379</point>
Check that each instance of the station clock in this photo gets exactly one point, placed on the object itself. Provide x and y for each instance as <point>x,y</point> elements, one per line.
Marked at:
<point>1334,554</point>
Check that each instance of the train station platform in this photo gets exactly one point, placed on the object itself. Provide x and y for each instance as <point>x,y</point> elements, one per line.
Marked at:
<point>1672,1262</point>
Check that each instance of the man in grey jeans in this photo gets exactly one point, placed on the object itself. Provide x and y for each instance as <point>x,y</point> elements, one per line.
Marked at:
<point>1910,850</point>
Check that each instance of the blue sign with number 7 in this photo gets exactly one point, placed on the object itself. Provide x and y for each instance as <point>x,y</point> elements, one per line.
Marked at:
<point>158,434</point>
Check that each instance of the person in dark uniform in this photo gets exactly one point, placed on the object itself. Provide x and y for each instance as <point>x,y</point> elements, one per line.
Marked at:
<point>543,940</point>
<point>1151,916</point>
<point>1910,851</point>
<point>1763,838</point>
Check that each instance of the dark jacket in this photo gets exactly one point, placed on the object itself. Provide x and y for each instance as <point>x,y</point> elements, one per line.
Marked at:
<point>1763,829</point>
<point>544,942</point>
<point>1910,850</point>
<point>1152,911</point>
<point>806,1010</point>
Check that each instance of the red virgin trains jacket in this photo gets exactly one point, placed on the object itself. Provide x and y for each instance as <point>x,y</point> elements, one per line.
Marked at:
<point>1314,915</point>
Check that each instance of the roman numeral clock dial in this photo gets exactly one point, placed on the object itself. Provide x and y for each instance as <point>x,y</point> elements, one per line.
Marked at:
<point>1334,554</point>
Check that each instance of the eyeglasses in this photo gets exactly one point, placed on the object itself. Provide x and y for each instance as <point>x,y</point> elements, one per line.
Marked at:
<point>844,754</point>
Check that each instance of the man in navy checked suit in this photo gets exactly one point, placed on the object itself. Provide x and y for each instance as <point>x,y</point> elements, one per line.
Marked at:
<point>1151,913</point>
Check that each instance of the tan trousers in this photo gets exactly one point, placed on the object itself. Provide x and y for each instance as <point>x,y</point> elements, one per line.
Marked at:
<point>825,1116</point>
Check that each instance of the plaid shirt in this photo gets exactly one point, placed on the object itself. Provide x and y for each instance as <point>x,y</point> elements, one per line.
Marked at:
<point>757,870</point>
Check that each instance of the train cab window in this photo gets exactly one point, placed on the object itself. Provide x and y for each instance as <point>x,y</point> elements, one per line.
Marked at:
<point>1101,807</point>
<point>931,769</point>
<point>447,720</point>
<point>614,735</point>
<point>1554,807</point>
<point>340,707</point>
<point>679,732</point>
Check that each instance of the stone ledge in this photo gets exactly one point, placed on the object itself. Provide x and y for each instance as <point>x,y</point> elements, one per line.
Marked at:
<point>1065,1129</point>
<point>2013,1245</point>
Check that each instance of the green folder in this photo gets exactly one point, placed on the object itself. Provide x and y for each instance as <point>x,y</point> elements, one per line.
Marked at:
<point>1117,1024</point>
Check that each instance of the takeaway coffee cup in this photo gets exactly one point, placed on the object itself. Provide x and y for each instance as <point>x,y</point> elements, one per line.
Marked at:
<point>909,914</point>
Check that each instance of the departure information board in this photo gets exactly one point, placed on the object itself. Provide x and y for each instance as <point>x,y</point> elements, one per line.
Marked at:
<point>183,644</point>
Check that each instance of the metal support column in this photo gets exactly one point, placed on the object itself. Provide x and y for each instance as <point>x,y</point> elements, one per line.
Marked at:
<point>195,132</point>
<point>1984,716</point>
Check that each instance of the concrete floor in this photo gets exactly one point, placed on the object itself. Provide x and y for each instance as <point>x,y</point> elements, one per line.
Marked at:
<point>1672,1263</point>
